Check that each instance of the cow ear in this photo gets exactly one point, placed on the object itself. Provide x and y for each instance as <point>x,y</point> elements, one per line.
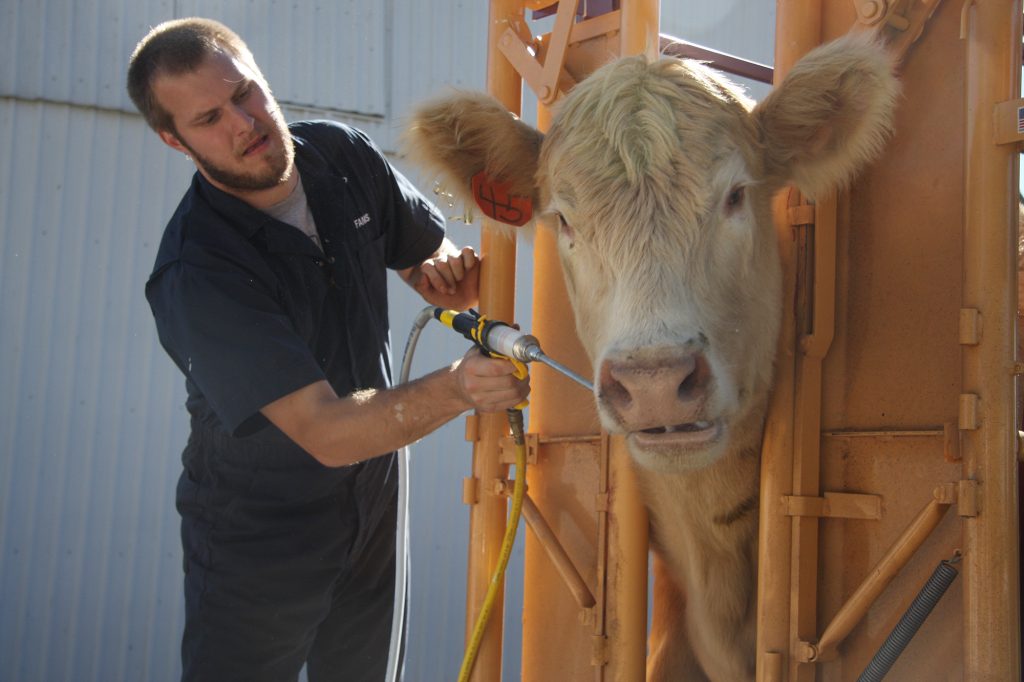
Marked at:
<point>830,115</point>
<point>484,154</point>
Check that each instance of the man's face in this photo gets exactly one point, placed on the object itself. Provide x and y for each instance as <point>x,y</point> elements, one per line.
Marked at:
<point>228,123</point>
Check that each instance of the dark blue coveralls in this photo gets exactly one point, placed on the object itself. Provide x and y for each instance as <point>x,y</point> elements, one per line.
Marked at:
<point>286,559</point>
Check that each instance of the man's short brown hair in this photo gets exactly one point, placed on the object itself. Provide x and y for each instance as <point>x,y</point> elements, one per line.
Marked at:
<point>173,48</point>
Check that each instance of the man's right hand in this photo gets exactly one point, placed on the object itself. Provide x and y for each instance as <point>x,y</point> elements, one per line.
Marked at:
<point>489,384</point>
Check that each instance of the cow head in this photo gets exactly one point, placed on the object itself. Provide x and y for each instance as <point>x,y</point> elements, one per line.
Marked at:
<point>658,177</point>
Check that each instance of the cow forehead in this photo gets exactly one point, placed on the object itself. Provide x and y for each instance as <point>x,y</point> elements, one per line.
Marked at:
<point>660,128</point>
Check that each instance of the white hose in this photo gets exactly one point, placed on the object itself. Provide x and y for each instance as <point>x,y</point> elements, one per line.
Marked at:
<point>395,656</point>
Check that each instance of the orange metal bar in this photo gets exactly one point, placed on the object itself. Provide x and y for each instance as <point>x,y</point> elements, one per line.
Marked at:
<point>991,568</point>
<point>557,642</point>
<point>487,517</point>
<point>639,28</point>
<point>559,45</point>
<point>625,623</point>
<point>610,641</point>
<point>626,619</point>
<point>807,424</point>
<point>556,552</point>
<point>798,30</point>
<point>880,576</point>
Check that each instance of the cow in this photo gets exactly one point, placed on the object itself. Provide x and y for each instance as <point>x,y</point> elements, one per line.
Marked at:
<point>658,176</point>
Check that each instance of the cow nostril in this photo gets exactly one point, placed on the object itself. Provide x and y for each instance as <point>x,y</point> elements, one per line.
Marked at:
<point>613,391</point>
<point>695,380</point>
<point>688,386</point>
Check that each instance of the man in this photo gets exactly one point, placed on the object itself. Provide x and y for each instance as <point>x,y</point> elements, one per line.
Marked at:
<point>269,294</point>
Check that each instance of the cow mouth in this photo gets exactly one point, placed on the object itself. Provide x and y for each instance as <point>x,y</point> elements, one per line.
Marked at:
<point>691,434</point>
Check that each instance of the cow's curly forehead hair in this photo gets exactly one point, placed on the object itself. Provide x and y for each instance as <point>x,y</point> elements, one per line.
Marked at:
<point>173,48</point>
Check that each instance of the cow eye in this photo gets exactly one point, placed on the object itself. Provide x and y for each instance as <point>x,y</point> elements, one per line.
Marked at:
<point>735,199</point>
<point>564,228</point>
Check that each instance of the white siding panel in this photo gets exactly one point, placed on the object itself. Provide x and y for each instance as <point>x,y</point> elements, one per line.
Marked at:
<point>73,51</point>
<point>92,411</point>
<point>454,36</point>
<point>744,28</point>
<point>324,54</point>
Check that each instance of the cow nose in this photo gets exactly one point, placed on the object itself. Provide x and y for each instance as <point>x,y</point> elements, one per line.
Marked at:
<point>660,391</point>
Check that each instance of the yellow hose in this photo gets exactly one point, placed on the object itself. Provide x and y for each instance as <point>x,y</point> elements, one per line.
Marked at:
<point>515,420</point>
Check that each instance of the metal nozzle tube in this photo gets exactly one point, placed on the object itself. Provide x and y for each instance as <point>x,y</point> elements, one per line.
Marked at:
<point>540,357</point>
<point>526,348</point>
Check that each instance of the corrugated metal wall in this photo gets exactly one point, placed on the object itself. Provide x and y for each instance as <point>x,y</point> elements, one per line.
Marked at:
<point>91,410</point>
<point>91,416</point>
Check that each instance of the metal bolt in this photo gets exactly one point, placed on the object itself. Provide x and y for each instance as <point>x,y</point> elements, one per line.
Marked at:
<point>870,10</point>
<point>806,652</point>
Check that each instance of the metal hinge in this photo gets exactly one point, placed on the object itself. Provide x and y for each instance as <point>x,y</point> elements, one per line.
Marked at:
<point>800,214</point>
<point>969,418</point>
<point>472,428</point>
<point>599,651</point>
<point>965,494</point>
<point>970,326</point>
<point>507,449</point>
<point>469,490</point>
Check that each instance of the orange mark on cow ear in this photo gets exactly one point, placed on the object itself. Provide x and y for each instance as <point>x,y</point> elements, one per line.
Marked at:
<point>498,203</point>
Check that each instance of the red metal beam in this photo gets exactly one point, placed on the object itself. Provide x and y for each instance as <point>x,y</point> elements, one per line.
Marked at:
<point>587,9</point>
<point>737,66</point>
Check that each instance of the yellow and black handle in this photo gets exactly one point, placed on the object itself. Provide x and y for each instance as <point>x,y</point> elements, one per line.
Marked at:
<point>480,330</point>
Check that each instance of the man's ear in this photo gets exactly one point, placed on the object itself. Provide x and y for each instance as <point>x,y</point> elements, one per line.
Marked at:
<point>484,154</point>
<point>172,141</point>
<point>830,115</point>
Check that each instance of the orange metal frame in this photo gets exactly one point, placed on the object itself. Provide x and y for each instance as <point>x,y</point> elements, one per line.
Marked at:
<point>810,580</point>
<point>859,471</point>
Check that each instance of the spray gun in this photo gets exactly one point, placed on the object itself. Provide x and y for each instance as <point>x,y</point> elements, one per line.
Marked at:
<point>499,339</point>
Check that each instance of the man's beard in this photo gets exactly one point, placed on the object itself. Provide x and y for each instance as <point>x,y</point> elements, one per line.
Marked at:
<point>278,170</point>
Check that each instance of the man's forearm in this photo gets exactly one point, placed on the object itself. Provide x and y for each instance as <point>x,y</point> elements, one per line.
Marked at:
<point>340,431</point>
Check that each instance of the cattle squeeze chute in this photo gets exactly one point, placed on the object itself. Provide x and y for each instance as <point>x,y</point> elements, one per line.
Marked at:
<point>798,390</point>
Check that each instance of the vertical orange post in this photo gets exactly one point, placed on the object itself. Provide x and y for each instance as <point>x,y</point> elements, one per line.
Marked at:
<point>487,517</point>
<point>640,33</point>
<point>607,642</point>
<point>798,30</point>
<point>991,573</point>
<point>557,637</point>
<point>626,599</point>
<point>626,624</point>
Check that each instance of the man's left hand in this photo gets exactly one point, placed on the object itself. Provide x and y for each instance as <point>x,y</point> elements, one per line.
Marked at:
<point>449,279</point>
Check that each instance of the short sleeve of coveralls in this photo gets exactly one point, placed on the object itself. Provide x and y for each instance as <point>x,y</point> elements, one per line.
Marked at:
<point>230,337</point>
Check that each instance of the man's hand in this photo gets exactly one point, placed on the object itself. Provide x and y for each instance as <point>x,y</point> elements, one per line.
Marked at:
<point>449,279</point>
<point>490,384</point>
